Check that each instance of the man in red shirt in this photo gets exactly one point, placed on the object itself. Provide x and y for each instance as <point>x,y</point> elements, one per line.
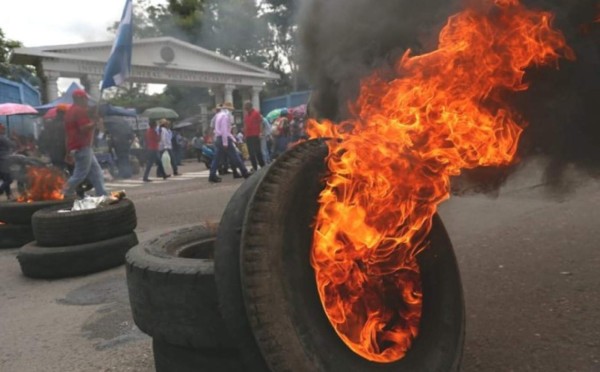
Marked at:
<point>79,130</point>
<point>152,153</point>
<point>252,126</point>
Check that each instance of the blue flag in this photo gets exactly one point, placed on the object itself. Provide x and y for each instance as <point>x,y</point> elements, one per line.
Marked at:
<point>118,67</point>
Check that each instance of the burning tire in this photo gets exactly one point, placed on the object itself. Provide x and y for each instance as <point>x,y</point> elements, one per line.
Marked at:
<point>52,228</point>
<point>15,236</point>
<point>75,260</point>
<point>168,358</point>
<point>20,213</point>
<point>227,273</point>
<point>280,292</point>
<point>172,289</point>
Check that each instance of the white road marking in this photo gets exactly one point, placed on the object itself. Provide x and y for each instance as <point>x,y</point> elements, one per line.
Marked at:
<point>119,185</point>
<point>116,184</point>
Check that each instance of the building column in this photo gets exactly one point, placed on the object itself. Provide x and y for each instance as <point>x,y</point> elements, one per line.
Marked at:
<point>51,78</point>
<point>256,98</point>
<point>217,92</point>
<point>228,96</point>
<point>94,85</point>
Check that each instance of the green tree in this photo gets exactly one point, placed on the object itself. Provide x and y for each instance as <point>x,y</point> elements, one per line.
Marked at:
<point>261,34</point>
<point>282,56</point>
<point>234,28</point>
<point>10,71</point>
<point>148,20</point>
<point>135,95</point>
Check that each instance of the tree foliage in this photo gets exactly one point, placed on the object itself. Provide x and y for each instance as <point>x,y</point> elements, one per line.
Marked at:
<point>262,34</point>
<point>9,70</point>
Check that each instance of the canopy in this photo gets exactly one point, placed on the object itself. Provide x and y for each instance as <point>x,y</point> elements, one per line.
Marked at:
<point>65,98</point>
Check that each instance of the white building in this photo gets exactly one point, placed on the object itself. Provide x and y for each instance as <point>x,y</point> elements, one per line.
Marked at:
<point>163,60</point>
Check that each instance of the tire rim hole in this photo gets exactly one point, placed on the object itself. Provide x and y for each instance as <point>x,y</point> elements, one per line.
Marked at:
<point>204,249</point>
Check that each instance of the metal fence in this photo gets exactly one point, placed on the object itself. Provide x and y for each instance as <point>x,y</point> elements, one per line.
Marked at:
<point>290,100</point>
<point>22,92</point>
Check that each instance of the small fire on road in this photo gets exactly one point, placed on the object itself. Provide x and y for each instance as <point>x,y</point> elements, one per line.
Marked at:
<point>440,113</point>
<point>43,184</point>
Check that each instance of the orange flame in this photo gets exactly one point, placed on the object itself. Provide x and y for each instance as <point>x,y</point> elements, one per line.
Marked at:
<point>44,184</point>
<point>443,112</point>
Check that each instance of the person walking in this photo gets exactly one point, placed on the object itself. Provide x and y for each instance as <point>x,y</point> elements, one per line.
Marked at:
<point>6,148</point>
<point>197,144</point>
<point>152,153</point>
<point>166,143</point>
<point>265,136</point>
<point>225,145</point>
<point>252,130</point>
<point>213,120</point>
<point>176,147</point>
<point>121,141</point>
<point>52,138</point>
<point>79,130</point>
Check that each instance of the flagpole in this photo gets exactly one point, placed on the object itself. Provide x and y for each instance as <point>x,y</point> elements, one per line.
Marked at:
<point>118,65</point>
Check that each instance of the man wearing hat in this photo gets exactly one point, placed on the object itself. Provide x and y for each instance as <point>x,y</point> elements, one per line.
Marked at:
<point>79,130</point>
<point>6,148</point>
<point>224,144</point>
<point>216,110</point>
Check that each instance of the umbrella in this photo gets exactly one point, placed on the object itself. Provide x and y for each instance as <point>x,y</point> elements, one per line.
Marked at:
<point>183,124</point>
<point>110,110</point>
<point>7,109</point>
<point>160,113</point>
<point>271,116</point>
<point>298,111</point>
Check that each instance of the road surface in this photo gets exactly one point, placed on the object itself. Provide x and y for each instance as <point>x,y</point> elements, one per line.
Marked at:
<point>530,268</point>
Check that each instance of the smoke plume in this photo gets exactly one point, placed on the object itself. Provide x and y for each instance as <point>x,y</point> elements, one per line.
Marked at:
<point>342,41</point>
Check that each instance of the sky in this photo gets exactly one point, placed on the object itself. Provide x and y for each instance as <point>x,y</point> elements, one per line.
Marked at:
<point>56,22</point>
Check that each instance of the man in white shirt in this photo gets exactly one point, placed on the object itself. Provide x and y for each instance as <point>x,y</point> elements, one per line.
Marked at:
<point>166,142</point>
<point>224,144</point>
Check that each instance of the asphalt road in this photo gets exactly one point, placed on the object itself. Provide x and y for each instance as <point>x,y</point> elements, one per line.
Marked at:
<point>529,266</point>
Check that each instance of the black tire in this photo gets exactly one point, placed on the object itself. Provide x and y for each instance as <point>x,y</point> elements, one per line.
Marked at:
<point>280,292</point>
<point>227,273</point>
<point>15,236</point>
<point>54,229</point>
<point>20,213</point>
<point>63,262</point>
<point>173,358</point>
<point>172,289</point>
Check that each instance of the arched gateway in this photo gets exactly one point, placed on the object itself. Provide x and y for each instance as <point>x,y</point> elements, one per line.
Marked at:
<point>162,60</point>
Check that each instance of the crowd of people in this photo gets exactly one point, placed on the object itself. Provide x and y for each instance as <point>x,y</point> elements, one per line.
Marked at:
<point>76,140</point>
<point>260,141</point>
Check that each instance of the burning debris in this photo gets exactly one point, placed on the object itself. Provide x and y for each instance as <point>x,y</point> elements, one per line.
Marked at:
<point>410,130</point>
<point>43,184</point>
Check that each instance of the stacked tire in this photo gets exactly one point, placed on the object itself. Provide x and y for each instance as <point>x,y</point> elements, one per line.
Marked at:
<point>255,306</point>
<point>173,299</point>
<point>74,243</point>
<point>15,221</point>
